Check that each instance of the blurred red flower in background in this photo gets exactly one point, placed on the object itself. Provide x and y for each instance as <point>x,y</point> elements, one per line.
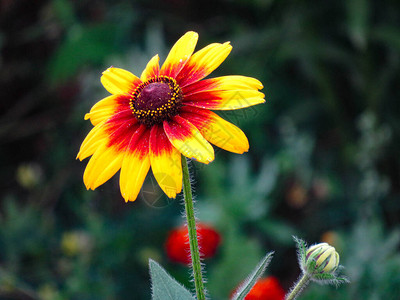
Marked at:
<point>267,288</point>
<point>177,244</point>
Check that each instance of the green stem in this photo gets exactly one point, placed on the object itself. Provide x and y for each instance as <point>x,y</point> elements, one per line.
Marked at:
<point>191,224</point>
<point>300,285</point>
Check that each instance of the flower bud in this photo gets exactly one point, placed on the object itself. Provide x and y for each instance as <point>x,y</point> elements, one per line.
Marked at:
<point>321,259</point>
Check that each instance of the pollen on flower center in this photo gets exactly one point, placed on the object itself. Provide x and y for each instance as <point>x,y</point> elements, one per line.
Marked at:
<point>156,100</point>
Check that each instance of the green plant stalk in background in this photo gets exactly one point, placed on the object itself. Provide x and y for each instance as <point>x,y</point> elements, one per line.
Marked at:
<point>191,224</point>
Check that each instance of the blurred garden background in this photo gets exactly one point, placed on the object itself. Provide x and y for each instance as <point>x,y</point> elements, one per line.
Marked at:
<point>324,150</point>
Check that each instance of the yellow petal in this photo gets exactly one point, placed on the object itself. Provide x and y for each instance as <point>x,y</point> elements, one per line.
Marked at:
<point>203,62</point>
<point>225,100</point>
<point>104,163</point>
<point>96,137</point>
<point>232,82</point>
<point>133,173</point>
<point>165,162</point>
<point>119,81</point>
<point>217,130</point>
<point>135,165</point>
<point>185,137</point>
<point>179,54</point>
<point>167,170</point>
<point>102,110</point>
<point>152,69</point>
<point>226,136</point>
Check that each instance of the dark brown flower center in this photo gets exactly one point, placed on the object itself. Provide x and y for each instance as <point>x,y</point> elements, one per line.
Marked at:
<point>156,100</point>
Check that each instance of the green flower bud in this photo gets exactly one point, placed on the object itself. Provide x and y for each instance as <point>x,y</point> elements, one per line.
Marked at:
<point>321,259</point>
<point>319,263</point>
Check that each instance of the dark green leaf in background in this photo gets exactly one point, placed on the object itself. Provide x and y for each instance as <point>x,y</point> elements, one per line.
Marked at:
<point>84,46</point>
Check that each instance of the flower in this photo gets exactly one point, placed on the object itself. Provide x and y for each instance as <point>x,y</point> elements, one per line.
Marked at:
<point>319,262</point>
<point>152,120</point>
<point>321,258</point>
<point>177,243</point>
<point>267,288</point>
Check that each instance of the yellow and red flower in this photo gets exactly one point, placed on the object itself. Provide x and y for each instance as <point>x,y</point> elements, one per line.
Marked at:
<point>152,120</point>
<point>177,243</point>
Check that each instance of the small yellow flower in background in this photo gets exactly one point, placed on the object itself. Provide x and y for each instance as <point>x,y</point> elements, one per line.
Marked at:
<point>322,258</point>
<point>48,292</point>
<point>76,242</point>
<point>152,120</point>
<point>29,175</point>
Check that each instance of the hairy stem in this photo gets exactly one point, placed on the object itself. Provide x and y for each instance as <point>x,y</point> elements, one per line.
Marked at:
<point>191,224</point>
<point>298,288</point>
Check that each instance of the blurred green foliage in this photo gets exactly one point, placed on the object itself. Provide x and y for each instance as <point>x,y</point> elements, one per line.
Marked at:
<point>323,161</point>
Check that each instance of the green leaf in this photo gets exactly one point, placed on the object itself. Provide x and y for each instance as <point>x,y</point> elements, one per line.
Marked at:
<point>164,287</point>
<point>245,288</point>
